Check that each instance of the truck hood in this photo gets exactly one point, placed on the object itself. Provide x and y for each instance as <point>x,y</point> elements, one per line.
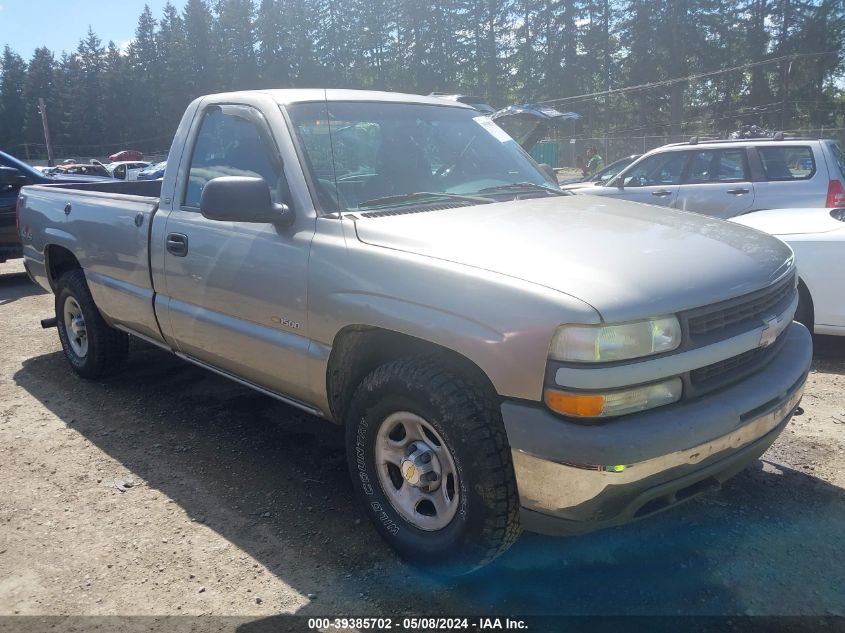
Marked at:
<point>625,259</point>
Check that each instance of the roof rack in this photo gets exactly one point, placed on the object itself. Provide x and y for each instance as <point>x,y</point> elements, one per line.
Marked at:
<point>696,140</point>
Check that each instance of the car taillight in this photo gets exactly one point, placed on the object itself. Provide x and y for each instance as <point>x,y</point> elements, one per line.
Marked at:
<point>18,206</point>
<point>835,195</point>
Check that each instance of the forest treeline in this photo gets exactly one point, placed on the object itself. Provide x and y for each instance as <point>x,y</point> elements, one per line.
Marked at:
<point>786,56</point>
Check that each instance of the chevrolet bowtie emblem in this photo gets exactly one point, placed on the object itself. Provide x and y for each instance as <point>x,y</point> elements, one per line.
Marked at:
<point>771,330</point>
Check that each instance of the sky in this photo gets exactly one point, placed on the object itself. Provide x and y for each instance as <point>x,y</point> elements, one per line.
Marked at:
<point>60,24</point>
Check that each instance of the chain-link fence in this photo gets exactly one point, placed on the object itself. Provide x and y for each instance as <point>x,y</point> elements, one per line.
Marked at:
<point>613,148</point>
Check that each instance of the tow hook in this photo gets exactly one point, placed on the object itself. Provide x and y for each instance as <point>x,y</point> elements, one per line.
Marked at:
<point>48,323</point>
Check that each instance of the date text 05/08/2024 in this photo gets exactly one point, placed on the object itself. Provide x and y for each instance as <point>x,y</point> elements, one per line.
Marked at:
<point>418,624</point>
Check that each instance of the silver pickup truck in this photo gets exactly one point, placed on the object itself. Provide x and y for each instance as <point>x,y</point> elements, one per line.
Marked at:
<point>504,356</point>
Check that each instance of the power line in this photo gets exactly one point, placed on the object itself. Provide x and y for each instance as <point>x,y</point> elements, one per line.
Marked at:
<point>669,82</point>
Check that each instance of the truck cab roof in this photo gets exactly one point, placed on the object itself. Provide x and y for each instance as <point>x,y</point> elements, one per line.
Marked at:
<point>288,96</point>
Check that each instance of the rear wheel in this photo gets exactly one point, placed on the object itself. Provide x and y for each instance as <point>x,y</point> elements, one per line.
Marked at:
<point>804,313</point>
<point>92,347</point>
<point>430,460</point>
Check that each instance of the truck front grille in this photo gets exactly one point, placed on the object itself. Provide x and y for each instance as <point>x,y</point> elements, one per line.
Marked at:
<point>730,370</point>
<point>741,314</point>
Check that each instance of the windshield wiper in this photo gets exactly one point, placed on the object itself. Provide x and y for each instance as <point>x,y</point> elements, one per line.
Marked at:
<point>522,186</point>
<point>418,196</point>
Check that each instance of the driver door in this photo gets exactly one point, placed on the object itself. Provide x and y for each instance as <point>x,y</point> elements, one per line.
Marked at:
<point>655,180</point>
<point>237,290</point>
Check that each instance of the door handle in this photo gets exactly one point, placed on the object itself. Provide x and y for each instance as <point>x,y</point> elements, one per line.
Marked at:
<point>738,192</point>
<point>177,244</point>
<point>662,193</point>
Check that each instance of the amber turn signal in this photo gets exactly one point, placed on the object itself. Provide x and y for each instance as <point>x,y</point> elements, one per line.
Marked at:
<point>581,405</point>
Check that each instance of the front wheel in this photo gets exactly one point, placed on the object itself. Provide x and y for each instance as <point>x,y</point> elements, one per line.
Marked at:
<point>92,347</point>
<point>430,460</point>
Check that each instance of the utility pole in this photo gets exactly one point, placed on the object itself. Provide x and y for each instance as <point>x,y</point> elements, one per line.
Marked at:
<point>42,108</point>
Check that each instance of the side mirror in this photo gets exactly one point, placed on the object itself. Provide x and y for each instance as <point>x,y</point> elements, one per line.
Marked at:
<point>242,199</point>
<point>9,176</point>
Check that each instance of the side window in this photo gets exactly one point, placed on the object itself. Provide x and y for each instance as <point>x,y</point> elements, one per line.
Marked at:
<point>120,172</point>
<point>231,143</point>
<point>732,166</point>
<point>787,163</point>
<point>660,169</point>
<point>701,167</point>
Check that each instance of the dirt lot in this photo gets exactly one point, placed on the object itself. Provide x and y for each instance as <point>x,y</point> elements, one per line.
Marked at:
<point>241,505</point>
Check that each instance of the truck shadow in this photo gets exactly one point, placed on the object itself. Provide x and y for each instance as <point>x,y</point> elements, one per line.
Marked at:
<point>17,285</point>
<point>829,354</point>
<point>273,481</point>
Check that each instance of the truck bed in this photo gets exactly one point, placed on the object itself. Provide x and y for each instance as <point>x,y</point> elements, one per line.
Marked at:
<point>145,188</point>
<point>105,226</point>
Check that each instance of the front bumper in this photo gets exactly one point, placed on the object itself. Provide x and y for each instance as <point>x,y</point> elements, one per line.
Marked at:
<point>576,477</point>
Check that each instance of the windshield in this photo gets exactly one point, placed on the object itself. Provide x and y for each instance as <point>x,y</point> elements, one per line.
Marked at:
<point>611,170</point>
<point>359,153</point>
<point>10,161</point>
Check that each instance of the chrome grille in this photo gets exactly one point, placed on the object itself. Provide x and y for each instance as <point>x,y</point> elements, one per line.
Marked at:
<point>751,309</point>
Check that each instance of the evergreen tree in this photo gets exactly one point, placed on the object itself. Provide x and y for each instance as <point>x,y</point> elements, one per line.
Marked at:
<point>501,50</point>
<point>12,82</point>
<point>172,79</point>
<point>236,36</point>
<point>145,92</point>
<point>86,107</point>
<point>116,84</point>
<point>201,61</point>
<point>40,83</point>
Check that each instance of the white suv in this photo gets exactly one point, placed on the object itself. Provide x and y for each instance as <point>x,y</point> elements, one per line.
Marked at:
<point>728,178</point>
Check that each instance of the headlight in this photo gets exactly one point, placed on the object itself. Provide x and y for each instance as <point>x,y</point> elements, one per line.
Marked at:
<point>610,403</point>
<point>603,343</point>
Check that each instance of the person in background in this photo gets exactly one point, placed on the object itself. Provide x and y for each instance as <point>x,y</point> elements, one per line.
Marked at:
<point>594,161</point>
<point>579,163</point>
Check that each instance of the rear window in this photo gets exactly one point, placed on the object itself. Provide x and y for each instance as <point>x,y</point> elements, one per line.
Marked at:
<point>787,163</point>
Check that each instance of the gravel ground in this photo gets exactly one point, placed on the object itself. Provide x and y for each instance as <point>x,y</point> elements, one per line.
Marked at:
<point>234,504</point>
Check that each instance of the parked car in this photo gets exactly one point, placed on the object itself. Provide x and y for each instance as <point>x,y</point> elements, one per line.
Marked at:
<point>601,176</point>
<point>526,123</point>
<point>126,155</point>
<point>127,170</point>
<point>574,359</point>
<point>14,174</point>
<point>153,172</point>
<point>728,178</point>
<point>80,169</point>
<point>818,238</point>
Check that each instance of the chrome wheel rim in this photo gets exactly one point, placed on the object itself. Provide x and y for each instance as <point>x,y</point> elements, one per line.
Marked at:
<point>77,335</point>
<point>416,471</point>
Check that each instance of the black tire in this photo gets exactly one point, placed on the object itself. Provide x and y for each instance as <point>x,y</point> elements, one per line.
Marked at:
<point>468,419</point>
<point>804,313</point>
<point>107,348</point>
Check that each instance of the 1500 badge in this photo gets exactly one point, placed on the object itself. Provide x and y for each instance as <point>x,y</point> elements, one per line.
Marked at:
<point>277,320</point>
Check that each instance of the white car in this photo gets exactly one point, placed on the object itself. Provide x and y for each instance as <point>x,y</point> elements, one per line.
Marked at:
<point>818,238</point>
<point>127,169</point>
